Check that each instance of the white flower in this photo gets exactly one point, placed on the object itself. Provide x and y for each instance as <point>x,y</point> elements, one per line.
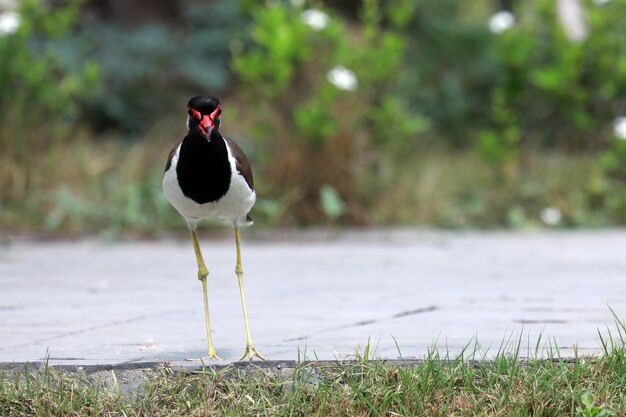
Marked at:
<point>550,216</point>
<point>9,23</point>
<point>343,78</point>
<point>315,19</point>
<point>572,17</point>
<point>619,127</point>
<point>501,21</point>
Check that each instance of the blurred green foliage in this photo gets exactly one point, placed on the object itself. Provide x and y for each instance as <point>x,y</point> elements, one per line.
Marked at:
<point>400,112</point>
<point>554,92</point>
<point>39,98</point>
<point>141,64</point>
<point>322,96</point>
<point>448,71</point>
<point>38,92</point>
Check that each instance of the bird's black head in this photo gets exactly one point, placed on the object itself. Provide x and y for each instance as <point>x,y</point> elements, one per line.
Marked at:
<point>204,115</point>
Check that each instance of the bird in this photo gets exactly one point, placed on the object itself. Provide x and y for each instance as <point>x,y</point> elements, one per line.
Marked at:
<point>208,176</point>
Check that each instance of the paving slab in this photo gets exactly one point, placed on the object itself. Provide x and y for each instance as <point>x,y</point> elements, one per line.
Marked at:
<point>316,295</point>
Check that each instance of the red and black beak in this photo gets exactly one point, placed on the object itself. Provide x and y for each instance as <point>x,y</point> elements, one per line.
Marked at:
<point>206,122</point>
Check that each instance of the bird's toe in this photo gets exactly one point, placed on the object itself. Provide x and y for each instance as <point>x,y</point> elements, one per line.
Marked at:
<point>252,353</point>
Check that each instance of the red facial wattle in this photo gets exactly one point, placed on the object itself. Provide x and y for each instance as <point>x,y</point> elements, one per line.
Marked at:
<point>216,113</point>
<point>206,123</point>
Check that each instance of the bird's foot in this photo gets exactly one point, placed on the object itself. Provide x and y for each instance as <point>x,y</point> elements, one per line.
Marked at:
<point>252,352</point>
<point>211,355</point>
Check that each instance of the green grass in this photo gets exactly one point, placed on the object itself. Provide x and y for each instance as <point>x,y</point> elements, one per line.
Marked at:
<point>432,388</point>
<point>504,385</point>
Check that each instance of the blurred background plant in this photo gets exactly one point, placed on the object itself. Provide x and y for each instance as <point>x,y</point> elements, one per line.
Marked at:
<point>324,103</point>
<point>39,101</point>
<point>362,112</point>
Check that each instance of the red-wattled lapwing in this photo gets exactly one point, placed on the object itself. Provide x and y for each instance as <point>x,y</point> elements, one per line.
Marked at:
<point>208,175</point>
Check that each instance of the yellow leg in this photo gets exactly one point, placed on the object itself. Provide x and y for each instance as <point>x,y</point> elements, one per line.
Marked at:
<point>250,350</point>
<point>203,272</point>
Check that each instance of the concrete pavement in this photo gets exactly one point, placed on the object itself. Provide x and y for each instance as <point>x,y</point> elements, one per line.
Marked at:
<point>319,295</point>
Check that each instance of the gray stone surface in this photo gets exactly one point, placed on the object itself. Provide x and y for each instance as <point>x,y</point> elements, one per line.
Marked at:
<point>314,295</point>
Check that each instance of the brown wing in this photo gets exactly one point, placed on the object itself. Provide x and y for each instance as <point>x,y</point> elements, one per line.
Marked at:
<point>243,165</point>
<point>169,158</point>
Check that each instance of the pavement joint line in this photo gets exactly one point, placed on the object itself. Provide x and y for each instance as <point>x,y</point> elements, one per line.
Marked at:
<point>366,322</point>
<point>91,329</point>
